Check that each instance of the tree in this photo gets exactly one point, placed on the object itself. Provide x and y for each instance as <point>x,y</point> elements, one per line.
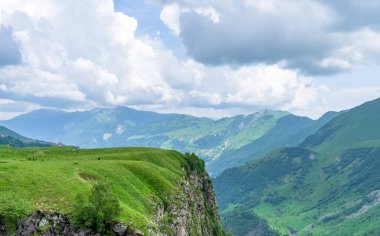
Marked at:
<point>98,211</point>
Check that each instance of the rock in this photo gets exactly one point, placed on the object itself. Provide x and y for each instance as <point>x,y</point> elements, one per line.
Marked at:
<point>2,228</point>
<point>192,209</point>
<point>54,224</point>
<point>136,233</point>
<point>120,229</point>
<point>43,223</point>
<point>39,223</point>
<point>292,231</point>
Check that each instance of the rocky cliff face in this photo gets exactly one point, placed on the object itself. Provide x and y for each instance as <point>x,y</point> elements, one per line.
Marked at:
<point>190,210</point>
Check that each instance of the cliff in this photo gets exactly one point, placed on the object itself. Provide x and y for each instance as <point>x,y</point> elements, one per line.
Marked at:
<point>178,202</point>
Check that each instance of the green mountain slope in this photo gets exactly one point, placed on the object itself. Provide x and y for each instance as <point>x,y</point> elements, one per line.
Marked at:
<point>5,132</point>
<point>351,129</point>
<point>288,131</point>
<point>159,191</point>
<point>221,143</point>
<point>11,138</point>
<point>329,186</point>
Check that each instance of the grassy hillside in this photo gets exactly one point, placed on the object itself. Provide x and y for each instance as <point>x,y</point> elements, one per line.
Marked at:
<point>11,138</point>
<point>49,179</point>
<point>5,132</point>
<point>288,131</point>
<point>354,128</point>
<point>221,143</point>
<point>299,192</point>
<point>330,188</point>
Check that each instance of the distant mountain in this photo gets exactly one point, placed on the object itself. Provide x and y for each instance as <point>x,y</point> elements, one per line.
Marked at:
<point>5,132</point>
<point>288,131</point>
<point>221,143</point>
<point>359,127</point>
<point>11,138</point>
<point>330,185</point>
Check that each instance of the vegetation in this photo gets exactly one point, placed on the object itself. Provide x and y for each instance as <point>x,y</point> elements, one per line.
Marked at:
<point>351,129</point>
<point>8,137</point>
<point>193,163</point>
<point>238,184</point>
<point>241,221</point>
<point>50,179</point>
<point>328,186</point>
<point>14,142</point>
<point>12,209</point>
<point>97,212</point>
<point>221,143</point>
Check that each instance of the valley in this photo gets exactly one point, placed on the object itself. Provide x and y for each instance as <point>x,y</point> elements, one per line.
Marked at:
<point>285,175</point>
<point>327,186</point>
<point>189,118</point>
<point>222,143</point>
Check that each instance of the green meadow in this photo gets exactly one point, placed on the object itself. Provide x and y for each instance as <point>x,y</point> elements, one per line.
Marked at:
<point>49,179</point>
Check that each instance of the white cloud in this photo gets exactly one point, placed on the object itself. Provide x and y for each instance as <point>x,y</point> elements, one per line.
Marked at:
<point>209,12</point>
<point>171,13</point>
<point>83,54</point>
<point>10,108</point>
<point>106,136</point>
<point>170,17</point>
<point>120,129</point>
<point>314,36</point>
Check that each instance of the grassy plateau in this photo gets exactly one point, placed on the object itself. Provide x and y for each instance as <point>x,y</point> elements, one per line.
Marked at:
<point>49,179</point>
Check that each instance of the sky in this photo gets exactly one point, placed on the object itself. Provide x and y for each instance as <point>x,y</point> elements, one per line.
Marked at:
<point>206,58</point>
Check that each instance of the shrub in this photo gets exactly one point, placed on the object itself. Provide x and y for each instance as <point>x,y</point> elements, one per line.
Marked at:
<point>193,163</point>
<point>12,209</point>
<point>98,211</point>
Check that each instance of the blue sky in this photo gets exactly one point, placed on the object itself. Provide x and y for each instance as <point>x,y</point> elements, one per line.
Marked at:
<point>147,14</point>
<point>205,58</point>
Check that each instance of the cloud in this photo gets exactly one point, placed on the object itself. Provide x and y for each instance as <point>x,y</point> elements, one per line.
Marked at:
<point>10,108</point>
<point>9,48</point>
<point>312,36</point>
<point>83,54</point>
<point>170,16</point>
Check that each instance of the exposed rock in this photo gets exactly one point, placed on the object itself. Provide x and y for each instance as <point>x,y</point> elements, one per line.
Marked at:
<point>57,224</point>
<point>120,229</point>
<point>2,227</point>
<point>292,231</point>
<point>54,224</point>
<point>192,210</point>
<point>136,233</point>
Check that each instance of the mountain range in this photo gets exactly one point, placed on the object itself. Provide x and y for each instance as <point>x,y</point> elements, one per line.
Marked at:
<point>327,185</point>
<point>274,173</point>
<point>222,143</point>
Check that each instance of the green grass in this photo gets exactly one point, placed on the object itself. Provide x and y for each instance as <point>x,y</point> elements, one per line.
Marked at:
<point>319,197</point>
<point>330,185</point>
<point>49,179</point>
<point>350,129</point>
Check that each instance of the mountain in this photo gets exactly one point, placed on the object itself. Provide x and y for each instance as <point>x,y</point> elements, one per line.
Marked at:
<point>158,192</point>
<point>5,132</point>
<point>356,128</point>
<point>329,185</point>
<point>221,143</point>
<point>289,130</point>
<point>11,138</point>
